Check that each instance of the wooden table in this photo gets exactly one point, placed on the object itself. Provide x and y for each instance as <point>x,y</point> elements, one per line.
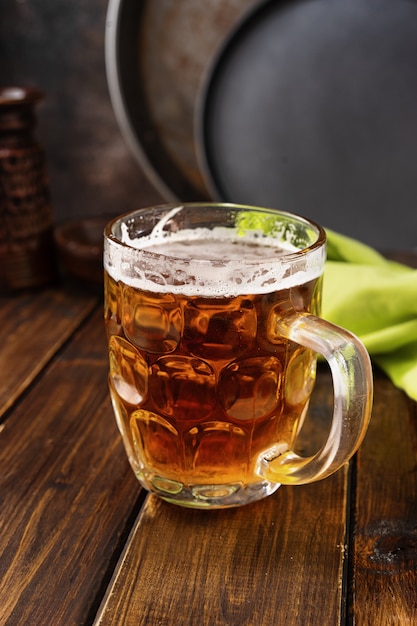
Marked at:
<point>81,542</point>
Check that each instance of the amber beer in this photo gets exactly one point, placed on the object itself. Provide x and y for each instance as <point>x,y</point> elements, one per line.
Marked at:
<point>203,383</point>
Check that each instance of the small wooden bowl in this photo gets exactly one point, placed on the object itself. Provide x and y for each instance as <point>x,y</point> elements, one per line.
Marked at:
<point>79,246</point>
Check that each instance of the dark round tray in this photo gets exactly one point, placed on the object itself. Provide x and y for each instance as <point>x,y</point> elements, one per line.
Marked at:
<point>312,107</point>
<point>156,56</point>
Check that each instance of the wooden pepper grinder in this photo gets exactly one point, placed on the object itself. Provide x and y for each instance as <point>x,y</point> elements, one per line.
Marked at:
<point>26,217</point>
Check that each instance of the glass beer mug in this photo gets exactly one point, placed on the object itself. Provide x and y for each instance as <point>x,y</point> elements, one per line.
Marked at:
<point>212,317</point>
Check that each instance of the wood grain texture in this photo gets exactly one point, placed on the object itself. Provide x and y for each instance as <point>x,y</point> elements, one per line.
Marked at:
<point>34,325</point>
<point>269,563</point>
<point>385,536</point>
<point>76,548</point>
<point>279,561</point>
<point>66,491</point>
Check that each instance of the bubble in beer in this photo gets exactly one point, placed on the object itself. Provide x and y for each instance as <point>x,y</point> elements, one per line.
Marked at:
<point>163,447</point>
<point>112,297</point>
<point>122,418</point>
<point>128,371</point>
<point>219,329</point>
<point>215,446</point>
<point>184,386</point>
<point>249,389</point>
<point>150,322</point>
<point>112,305</point>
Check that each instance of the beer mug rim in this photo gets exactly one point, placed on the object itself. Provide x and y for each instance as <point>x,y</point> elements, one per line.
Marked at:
<point>159,209</point>
<point>141,267</point>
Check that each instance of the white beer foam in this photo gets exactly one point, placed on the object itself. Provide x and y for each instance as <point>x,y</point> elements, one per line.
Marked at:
<point>207,262</point>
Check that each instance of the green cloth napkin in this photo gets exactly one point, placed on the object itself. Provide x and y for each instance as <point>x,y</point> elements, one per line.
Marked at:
<point>376,299</point>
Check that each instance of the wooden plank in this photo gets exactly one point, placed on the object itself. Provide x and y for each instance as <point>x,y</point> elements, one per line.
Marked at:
<point>385,547</point>
<point>67,495</point>
<point>276,562</point>
<point>34,325</point>
<point>279,561</point>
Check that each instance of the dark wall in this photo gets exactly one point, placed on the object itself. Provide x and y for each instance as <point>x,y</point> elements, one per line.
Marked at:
<point>58,45</point>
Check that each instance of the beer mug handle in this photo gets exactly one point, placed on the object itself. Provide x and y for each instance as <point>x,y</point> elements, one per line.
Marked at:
<point>351,371</point>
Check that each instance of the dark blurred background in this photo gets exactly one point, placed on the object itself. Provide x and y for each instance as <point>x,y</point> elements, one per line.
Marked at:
<point>58,46</point>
